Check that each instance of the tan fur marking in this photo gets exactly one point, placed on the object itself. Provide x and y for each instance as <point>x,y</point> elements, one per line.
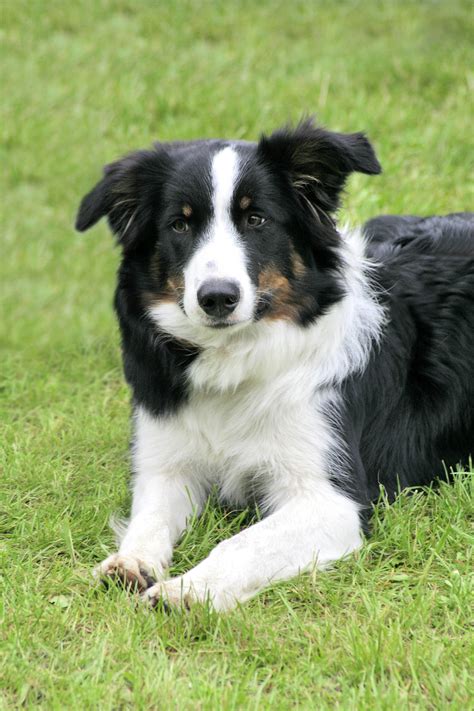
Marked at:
<point>285,303</point>
<point>299,268</point>
<point>273,282</point>
<point>171,292</point>
<point>187,210</point>
<point>245,202</point>
<point>175,284</point>
<point>270,279</point>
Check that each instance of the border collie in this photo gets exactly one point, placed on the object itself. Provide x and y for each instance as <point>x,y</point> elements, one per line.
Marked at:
<point>276,358</point>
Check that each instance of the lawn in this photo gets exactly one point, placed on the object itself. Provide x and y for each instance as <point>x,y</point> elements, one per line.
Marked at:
<point>85,82</point>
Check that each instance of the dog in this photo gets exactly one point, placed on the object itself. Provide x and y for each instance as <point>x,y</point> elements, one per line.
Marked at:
<point>276,358</point>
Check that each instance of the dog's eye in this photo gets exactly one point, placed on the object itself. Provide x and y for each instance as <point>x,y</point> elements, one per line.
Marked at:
<point>255,220</point>
<point>180,226</point>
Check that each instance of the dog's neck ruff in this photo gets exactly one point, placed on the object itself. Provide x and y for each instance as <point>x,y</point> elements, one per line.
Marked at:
<point>336,345</point>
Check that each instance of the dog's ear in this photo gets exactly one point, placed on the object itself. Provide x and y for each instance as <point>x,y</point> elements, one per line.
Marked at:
<point>125,195</point>
<point>318,162</point>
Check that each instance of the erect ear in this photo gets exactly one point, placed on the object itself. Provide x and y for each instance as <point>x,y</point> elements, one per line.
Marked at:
<point>125,195</point>
<point>318,162</point>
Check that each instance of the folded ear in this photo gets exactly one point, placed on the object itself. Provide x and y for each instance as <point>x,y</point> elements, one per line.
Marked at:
<point>125,195</point>
<point>318,162</point>
<point>95,204</point>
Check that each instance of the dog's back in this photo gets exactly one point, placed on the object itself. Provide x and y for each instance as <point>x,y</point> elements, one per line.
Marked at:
<point>416,396</point>
<point>437,234</point>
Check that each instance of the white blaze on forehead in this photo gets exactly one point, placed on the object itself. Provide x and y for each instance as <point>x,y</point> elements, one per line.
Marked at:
<point>220,253</point>
<point>225,166</point>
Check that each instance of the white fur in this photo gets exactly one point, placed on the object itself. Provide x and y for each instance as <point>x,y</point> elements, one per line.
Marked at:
<point>259,417</point>
<point>221,254</point>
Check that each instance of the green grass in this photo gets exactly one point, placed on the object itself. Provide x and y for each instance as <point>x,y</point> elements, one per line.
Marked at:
<point>83,83</point>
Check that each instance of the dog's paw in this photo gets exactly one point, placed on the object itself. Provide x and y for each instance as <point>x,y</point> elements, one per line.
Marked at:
<point>183,593</point>
<point>172,593</point>
<point>129,571</point>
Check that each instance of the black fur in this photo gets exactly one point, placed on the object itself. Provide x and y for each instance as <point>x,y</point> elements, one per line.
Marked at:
<point>412,408</point>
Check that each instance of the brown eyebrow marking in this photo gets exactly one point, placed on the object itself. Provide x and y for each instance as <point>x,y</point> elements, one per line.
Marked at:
<point>245,202</point>
<point>187,210</point>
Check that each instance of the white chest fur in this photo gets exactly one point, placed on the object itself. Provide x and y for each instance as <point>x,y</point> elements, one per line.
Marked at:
<point>247,438</point>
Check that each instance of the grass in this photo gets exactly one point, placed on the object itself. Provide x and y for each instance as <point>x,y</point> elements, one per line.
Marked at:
<point>83,83</point>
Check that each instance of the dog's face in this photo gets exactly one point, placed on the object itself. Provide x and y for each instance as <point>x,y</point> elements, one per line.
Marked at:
<point>217,235</point>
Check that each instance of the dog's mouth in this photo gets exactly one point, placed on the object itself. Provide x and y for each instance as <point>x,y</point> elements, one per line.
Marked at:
<point>223,324</point>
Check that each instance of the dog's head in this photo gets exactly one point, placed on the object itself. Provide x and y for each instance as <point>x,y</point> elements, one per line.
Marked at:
<point>217,235</point>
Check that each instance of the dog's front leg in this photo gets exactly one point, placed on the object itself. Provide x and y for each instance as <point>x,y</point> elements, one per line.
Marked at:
<point>166,492</point>
<point>161,506</point>
<point>314,528</point>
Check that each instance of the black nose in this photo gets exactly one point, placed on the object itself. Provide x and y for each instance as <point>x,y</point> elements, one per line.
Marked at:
<point>218,297</point>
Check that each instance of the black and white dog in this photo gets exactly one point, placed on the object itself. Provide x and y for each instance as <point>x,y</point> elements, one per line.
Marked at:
<point>275,357</point>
